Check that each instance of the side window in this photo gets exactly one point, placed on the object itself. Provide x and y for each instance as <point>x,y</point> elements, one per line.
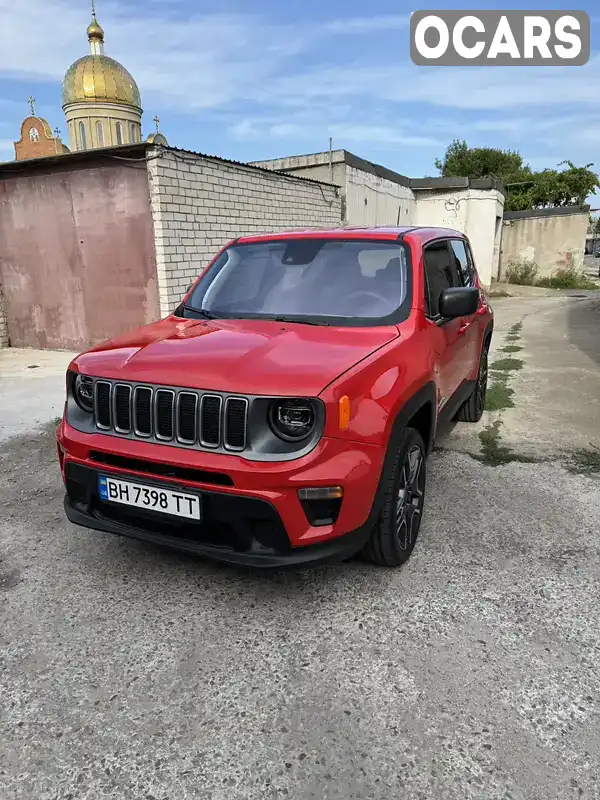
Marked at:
<point>440,274</point>
<point>462,262</point>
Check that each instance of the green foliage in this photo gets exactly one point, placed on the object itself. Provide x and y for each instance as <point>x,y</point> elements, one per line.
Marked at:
<point>461,161</point>
<point>522,273</point>
<point>525,188</point>
<point>567,278</point>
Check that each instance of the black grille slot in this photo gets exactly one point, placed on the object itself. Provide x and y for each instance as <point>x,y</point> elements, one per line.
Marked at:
<point>187,404</point>
<point>164,470</point>
<point>122,400</point>
<point>163,402</point>
<point>143,411</point>
<point>103,404</point>
<point>211,420</point>
<point>235,423</point>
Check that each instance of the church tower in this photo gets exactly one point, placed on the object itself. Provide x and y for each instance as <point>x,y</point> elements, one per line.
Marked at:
<point>101,100</point>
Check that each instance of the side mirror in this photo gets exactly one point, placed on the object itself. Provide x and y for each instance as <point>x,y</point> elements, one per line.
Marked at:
<point>460,301</point>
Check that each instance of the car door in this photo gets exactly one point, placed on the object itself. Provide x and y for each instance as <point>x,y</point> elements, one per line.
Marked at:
<point>469,328</point>
<point>446,334</point>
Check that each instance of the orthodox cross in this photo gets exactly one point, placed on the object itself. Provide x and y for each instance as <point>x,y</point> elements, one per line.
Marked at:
<point>31,101</point>
<point>156,122</point>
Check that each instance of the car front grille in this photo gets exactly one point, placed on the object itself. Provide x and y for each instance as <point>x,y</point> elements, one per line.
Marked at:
<point>170,415</point>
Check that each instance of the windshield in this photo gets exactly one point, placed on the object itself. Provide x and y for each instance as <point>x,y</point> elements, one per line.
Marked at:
<point>310,279</point>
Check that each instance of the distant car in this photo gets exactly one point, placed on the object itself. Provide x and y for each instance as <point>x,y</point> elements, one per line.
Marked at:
<point>284,412</point>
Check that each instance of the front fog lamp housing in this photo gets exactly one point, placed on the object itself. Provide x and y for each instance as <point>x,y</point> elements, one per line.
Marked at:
<point>292,420</point>
<point>321,504</point>
<point>83,392</point>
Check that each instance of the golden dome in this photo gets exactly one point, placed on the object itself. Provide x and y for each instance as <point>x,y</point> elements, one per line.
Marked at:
<point>98,78</point>
<point>95,29</point>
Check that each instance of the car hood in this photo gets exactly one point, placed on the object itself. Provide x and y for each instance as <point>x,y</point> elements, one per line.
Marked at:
<point>238,356</point>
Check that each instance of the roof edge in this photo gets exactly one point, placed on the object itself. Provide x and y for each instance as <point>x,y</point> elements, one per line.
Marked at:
<point>555,211</point>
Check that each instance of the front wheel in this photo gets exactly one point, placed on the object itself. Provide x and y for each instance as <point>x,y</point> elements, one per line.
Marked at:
<point>394,536</point>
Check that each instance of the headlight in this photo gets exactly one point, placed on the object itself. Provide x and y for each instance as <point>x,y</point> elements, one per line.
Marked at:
<point>292,420</point>
<point>83,392</point>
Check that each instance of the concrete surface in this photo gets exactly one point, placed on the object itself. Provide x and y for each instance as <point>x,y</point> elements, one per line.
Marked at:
<point>132,673</point>
<point>557,400</point>
<point>32,388</point>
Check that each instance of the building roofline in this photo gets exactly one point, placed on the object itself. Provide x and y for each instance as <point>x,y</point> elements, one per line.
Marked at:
<point>555,211</point>
<point>417,184</point>
<point>135,152</point>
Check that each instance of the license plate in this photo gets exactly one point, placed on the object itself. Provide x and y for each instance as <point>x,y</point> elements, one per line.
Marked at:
<point>163,501</point>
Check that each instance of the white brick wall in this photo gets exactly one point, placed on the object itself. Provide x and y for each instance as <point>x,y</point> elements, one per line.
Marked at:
<point>3,322</point>
<point>198,204</point>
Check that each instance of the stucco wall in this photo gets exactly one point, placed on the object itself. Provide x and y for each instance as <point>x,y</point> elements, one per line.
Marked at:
<point>475,212</point>
<point>373,200</point>
<point>553,241</point>
<point>199,203</point>
<point>76,252</point>
<point>368,199</point>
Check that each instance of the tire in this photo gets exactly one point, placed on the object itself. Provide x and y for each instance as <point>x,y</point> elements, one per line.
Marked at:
<point>395,533</point>
<point>472,409</point>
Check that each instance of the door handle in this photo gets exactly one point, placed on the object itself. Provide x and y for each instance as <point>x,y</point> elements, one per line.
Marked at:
<point>464,328</point>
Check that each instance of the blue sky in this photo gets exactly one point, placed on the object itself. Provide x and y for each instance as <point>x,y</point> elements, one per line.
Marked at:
<point>259,79</point>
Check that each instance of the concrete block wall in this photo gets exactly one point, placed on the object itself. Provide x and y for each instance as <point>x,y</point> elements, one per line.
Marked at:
<point>200,203</point>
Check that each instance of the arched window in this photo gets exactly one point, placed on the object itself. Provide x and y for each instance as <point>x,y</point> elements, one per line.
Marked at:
<point>133,133</point>
<point>119,131</point>
<point>100,134</point>
<point>82,136</point>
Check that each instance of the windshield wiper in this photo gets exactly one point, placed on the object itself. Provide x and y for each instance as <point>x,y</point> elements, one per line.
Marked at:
<point>201,311</point>
<point>299,320</point>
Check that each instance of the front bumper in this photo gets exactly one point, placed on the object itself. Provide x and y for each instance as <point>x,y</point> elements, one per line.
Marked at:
<point>251,512</point>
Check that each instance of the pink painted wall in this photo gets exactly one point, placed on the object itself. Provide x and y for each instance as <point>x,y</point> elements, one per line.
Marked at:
<point>77,257</point>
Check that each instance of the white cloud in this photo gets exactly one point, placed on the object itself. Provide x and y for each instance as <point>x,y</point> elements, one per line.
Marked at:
<point>361,25</point>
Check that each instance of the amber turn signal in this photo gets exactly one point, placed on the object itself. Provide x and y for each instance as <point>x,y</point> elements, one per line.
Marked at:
<point>344,412</point>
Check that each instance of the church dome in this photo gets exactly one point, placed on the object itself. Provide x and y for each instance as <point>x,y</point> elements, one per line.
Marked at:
<point>98,78</point>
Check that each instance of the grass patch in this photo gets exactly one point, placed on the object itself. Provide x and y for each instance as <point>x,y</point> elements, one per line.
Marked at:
<point>585,462</point>
<point>507,364</point>
<point>516,328</point>
<point>525,273</point>
<point>511,348</point>
<point>495,454</point>
<point>499,396</point>
<point>567,278</point>
<point>522,273</point>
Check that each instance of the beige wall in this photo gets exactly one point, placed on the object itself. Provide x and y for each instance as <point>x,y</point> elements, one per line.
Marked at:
<point>369,200</point>
<point>475,212</point>
<point>552,241</point>
<point>107,115</point>
<point>199,204</point>
<point>372,200</point>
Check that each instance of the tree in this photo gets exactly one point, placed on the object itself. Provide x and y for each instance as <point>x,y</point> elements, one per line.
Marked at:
<point>525,189</point>
<point>461,161</point>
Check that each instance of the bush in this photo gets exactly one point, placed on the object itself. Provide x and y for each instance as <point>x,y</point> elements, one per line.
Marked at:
<point>522,273</point>
<point>567,278</point>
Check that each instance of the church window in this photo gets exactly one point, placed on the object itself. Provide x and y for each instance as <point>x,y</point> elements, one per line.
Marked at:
<point>100,134</point>
<point>82,136</point>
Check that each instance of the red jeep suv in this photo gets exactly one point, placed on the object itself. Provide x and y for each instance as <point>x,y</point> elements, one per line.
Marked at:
<point>284,412</point>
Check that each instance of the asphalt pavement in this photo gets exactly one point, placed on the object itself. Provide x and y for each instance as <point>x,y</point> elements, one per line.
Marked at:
<point>133,673</point>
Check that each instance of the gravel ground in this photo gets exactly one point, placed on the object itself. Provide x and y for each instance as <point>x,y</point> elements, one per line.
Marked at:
<point>133,673</point>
